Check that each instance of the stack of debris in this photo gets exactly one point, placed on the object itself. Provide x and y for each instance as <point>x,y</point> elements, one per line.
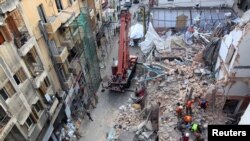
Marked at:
<point>183,69</point>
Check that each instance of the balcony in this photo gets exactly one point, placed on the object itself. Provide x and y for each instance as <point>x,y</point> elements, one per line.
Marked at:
<point>24,47</point>
<point>53,24</point>
<point>7,5</point>
<point>62,55</point>
<point>39,79</point>
<point>75,67</point>
<point>66,15</point>
<point>69,81</point>
<point>53,107</point>
<point>68,43</point>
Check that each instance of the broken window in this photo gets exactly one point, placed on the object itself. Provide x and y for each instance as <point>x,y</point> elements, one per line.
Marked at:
<point>230,106</point>
<point>7,91</point>
<point>230,54</point>
<point>20,76</point>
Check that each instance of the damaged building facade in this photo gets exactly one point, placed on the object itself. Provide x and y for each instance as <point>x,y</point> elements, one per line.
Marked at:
<point>44,70</point>
<point>232,69</point>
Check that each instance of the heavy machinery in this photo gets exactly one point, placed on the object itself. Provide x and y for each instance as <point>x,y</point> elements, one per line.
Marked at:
<point>123,68</point>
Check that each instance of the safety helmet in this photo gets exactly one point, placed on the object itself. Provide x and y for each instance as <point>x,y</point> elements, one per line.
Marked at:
<point>187,134</point>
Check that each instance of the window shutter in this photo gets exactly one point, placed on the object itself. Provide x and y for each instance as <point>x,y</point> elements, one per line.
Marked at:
<point>43,88</point>
<point>21,75</point>
<point>6,33</point>
<point>12,26</point>
<point>9,89</point>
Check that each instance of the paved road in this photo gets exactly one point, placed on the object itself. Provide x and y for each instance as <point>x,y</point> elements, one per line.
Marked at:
<point>109,103</point>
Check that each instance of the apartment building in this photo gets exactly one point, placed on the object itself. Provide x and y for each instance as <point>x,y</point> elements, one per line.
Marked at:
<point>43,66</point>
<point>27,85</point>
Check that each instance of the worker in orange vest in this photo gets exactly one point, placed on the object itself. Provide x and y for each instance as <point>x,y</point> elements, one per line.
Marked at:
<point>189,104</point>
<point>187,119</point>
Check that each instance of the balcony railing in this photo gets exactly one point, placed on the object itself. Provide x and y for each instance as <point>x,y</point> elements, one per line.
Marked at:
<point>62,56</point>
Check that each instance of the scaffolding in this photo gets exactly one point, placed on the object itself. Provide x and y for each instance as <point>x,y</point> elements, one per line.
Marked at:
<point>89,59</point>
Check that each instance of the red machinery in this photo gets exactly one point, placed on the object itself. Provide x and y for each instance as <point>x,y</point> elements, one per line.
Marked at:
<point>123,70</point>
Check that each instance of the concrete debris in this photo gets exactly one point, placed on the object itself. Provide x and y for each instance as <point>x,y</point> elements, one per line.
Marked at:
<point>174,77</point>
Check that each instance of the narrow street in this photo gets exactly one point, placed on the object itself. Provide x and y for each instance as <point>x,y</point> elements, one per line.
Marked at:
<point>109,102</point>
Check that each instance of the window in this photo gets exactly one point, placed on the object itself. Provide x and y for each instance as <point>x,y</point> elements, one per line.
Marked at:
<point>4,94</point>
<point>43,89</point>
<point>29,121</point>
<point>38,106</point>
<point>59,5</point>
<point>46,81</point>
<point>42,13</point>
<point>7,91</point>
<point>20,76</point>
<point>71,1</point>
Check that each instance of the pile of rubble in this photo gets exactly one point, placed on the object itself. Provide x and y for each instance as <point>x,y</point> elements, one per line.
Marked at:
<point>187,72</point>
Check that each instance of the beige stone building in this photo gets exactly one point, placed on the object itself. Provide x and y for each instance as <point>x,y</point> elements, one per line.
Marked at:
<point>43,65</point>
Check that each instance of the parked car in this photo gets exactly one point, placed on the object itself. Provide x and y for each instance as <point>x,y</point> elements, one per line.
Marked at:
<point>127,4</point>
<point>135,1</point>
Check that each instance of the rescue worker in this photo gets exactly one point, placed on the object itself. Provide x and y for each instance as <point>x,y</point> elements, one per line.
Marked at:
<point>187,119</point>
<point>185,137</point>
<point>195,127</point>
<point>189,104</point>
<point>179,110</point>
<point>203,104</point>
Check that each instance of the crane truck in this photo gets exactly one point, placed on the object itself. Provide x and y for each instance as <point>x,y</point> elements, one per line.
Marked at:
<point>123,68</point>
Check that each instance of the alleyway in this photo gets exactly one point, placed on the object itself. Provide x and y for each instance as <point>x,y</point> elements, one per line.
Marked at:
<point>109,102</point>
